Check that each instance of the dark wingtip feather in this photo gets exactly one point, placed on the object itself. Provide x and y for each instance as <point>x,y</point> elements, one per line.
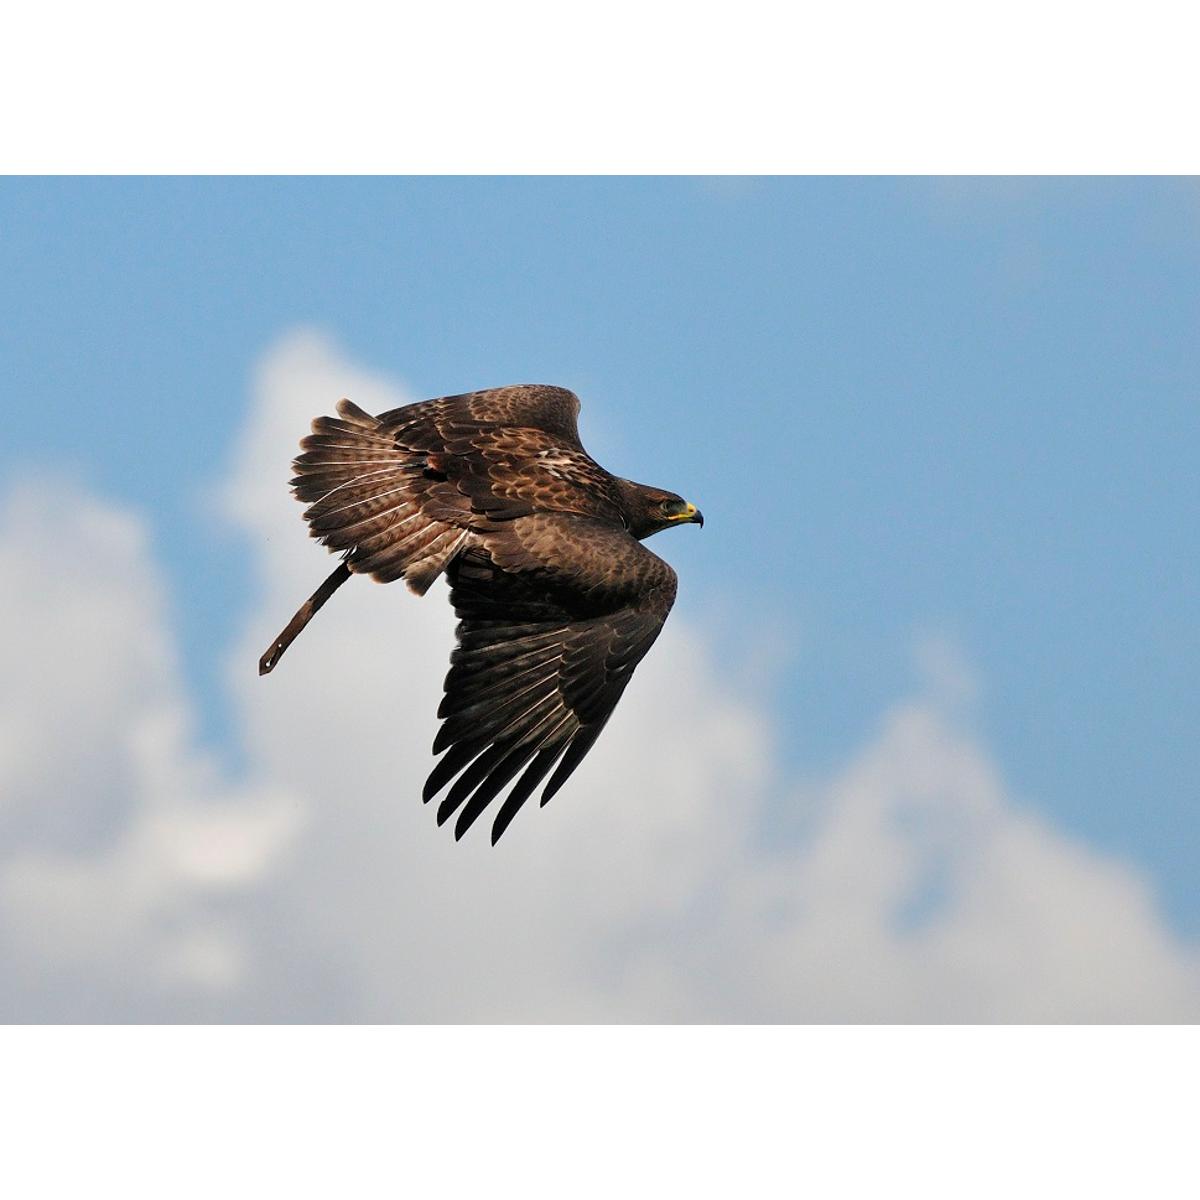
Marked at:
<point>471,777</point>
<point>444,738</point>
<point>580,745</point>
<point>450,764</point>
<point>436,781</point>
<point>441,775</point>
<point>490,788</point>
<point>534,774</point>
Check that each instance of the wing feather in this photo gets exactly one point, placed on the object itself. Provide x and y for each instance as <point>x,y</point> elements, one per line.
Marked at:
<point>451,466</point>
<point>553,410</point>
<point>554,615</point>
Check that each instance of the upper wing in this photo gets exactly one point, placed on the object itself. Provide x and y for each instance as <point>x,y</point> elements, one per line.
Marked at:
<point>555,612</point>
<point>553,410</point>
<point>400,493</point>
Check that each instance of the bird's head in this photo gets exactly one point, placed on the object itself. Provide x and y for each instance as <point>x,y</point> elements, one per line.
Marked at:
<point>649,509</point>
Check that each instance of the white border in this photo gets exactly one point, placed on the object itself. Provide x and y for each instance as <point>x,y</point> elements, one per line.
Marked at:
<point>624,87</point>
<point>601,1111</point>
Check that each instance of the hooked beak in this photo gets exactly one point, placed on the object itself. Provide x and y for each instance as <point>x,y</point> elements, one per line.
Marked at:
<point>691,515</point>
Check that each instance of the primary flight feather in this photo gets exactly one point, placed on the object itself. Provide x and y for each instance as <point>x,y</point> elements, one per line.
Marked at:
<point>557,599</point>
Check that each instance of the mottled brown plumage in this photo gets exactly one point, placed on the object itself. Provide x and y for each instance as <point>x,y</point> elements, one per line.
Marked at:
<point>557,599</point>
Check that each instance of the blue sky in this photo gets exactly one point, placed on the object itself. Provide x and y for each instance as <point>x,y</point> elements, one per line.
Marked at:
<point>964,410</point>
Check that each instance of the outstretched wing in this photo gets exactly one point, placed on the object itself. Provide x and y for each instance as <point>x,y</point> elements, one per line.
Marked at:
<point>553,410</point>
<point>555,613</point>
<point>399,494</point>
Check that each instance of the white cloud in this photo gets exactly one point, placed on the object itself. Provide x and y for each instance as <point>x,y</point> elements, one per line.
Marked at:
<point>320,888</point>
<point>119,843</point>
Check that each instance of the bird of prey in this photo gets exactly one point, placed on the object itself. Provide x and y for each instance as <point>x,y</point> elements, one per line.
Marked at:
<point>557,599</point>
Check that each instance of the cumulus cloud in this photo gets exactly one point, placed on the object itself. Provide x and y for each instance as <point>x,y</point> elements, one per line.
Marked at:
<point>121,846</point>
<point>137,882</point>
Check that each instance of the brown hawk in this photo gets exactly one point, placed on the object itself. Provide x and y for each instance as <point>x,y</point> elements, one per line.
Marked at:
<point>557,599</point>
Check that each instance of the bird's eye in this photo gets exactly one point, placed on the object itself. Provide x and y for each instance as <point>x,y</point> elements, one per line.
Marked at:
<point>668,506</point>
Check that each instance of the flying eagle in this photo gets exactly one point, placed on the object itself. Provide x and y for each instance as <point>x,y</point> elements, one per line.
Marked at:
<point>557,599</point>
